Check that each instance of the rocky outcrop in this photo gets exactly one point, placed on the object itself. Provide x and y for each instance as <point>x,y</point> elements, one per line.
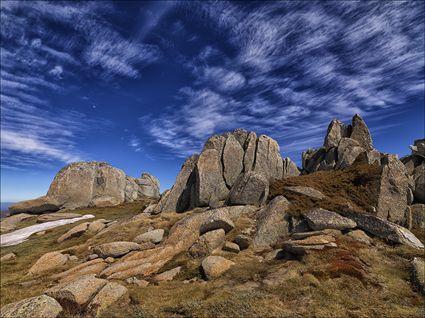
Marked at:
<point>40,306</point>
<point>91,267</point>
<point>84,184</point>
<point>342,146</point>
<point>219,219</point>
<point>416,216</point>
<point>233,168</point>
<point>415,166</point>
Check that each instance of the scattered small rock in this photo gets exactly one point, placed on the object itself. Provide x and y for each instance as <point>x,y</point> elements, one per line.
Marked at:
<point>73,258</point>
<point>110,260</point>
<point>215,266</point>
<point>231,247</point>
<point>360,236</point>
<point>138,282</point>
<point>168,275</point>
<point>8,257</point>
<point>243,241</point>
<point>115,249</point>
<point>92,257</point>
<point>154,236</point>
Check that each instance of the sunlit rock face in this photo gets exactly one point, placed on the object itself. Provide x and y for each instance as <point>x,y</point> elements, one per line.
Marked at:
<point>84,184</point>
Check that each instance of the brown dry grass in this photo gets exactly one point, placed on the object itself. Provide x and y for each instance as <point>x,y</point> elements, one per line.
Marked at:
<point>354,188</point>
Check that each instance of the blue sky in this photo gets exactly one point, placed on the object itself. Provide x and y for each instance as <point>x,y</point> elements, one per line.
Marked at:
<point>142,85</point>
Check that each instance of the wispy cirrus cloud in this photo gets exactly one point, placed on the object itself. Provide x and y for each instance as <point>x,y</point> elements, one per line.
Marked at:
<point>293,66</point>
<point>45,45</point>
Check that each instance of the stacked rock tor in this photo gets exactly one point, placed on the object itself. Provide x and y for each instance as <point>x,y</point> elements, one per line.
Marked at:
<point>233,168</point>
<point>342,145</point>
<point>415,165</point>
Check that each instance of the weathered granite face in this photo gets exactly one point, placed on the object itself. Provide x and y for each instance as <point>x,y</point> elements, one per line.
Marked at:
<point>210,178</point>
<point>83,184</point>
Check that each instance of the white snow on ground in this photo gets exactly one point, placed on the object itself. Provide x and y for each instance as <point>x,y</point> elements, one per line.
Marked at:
<point>21,235</point>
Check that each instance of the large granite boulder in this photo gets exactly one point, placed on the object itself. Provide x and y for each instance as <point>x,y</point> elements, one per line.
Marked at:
<point>272,222</point>
<point>84,184</point>
<point>47,262</point>
<point>215,266</point>
<point>393,190</point>
<point>343,144</point>
<point>250,188</point>
<point>320,219</point>
<point>40,306</point>
<point>226,161</point>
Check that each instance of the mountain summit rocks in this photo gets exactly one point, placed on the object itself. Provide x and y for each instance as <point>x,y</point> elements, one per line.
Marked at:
<point>227,161</point>
<point>84,184</point>
<point>343,144</point>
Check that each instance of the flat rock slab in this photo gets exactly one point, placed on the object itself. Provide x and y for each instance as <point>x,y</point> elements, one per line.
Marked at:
<point>219,219</point>
<point>215,266</point>
<point>48,262</point>
<point>76,295</point>
<point>306,191</point>
<point>115,249</point>
<point>76,231</point>
<point>168,275</point>
<point>320,219</point>
<point>385,229</point>
<point>11,222</point>
<point>303,235</point>
<point>41,306</point>
<point>91,267</point>
<point>107,296</point>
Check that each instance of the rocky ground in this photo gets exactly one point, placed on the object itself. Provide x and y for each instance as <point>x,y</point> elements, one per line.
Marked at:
<point>251,238</point>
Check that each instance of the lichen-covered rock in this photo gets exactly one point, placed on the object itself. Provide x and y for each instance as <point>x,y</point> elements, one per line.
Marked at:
<point>215,266</point>
<point>417,212</point>
<point>74,296</point>
<point>360,132</point>
<point>320,219</point>
<point>40,306</point>
<point>48,262</point>
<point>110,294</point>
<point>168,275</point>
<point>360,236</point>
<point>250,188</point>
<point>94,266</point>
<point>272,222</point>
<point>268,161</point>
<point>336,131</point>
